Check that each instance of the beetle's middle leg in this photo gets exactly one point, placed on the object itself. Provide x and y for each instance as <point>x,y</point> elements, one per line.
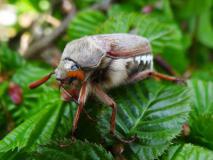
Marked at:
<point>98,91</point>
<point>103,97</point>
<point>150,73</point>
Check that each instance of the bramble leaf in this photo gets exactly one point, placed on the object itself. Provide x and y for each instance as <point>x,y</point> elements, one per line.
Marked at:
<point>85,3</point>
<point>161,35</point>
<point>201,120</point>
<point>37,129</point>
<point>188,151</point>
<point>23,77</point>
<point>9,59</point>
<point>68,150</point>
<point>85,23</point>
<point>205,29</point>
<point>153,112</point>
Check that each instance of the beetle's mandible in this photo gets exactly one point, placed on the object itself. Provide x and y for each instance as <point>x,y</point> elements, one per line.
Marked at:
<point>101,62</point>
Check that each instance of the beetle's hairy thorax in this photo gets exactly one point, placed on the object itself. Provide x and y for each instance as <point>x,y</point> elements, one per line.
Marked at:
<point>114,72</point>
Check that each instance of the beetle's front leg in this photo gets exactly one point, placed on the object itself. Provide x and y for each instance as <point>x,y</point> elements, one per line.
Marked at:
<point>103,97</point>
<point>150,73</point>
<point>81,100</point>
<point>69,95</point>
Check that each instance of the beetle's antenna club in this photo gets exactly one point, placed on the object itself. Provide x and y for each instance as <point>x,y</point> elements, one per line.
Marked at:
<point>41,81</point>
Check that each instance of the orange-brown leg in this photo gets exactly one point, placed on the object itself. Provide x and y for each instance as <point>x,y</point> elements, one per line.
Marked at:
<point>70,95</point>
<point>150,73</point>
<point>98,91</point>
<point>82,99</point>
<point>73,95</point>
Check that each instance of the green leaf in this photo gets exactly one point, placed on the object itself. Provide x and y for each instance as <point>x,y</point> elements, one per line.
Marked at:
<point>205,28</point>
<point>38,129</point>
<point>120,23</point>
<point>30,6</point>
<point>192,8</point>
<point>154,112</point>
<point>201,120</point>
<point>85,3</point>
<point>116,9</point>
<point>167,9</point>
<point>161,35</point>
<point>85,23</point>
<point>3,88</point>
<point>202,96</point>
<point>66,120</point>
<point>68,150</point>
<point>62,149</point>
<point>188,151</point>
<point>38,97</point>
<point>205,73</point>
<point>9,60</point>
<point>14,155</point>
<point>166,40</point>
<point>28,74</point>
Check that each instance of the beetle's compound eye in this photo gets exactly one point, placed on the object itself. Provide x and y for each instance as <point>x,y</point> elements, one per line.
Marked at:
<point>74,67</point>
<point>70,64</point>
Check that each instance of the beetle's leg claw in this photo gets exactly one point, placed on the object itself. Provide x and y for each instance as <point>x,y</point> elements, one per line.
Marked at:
<point>126,141</point>
<point>180,81</point>
<point>73,137</point>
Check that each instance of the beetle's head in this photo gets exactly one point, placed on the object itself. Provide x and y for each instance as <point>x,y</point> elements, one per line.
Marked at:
<point>69,70</point>
<point>66,72</point>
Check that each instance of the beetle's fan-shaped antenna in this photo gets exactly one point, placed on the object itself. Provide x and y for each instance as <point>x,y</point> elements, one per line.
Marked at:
<point>40,81</point>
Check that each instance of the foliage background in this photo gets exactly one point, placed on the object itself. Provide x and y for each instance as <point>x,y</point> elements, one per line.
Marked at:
<point>171,121</point>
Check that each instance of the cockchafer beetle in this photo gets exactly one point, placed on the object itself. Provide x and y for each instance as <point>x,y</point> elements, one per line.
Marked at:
<point>101,62</point>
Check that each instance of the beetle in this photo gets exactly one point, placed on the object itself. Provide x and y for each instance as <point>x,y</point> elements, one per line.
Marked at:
<point>101,62</point>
